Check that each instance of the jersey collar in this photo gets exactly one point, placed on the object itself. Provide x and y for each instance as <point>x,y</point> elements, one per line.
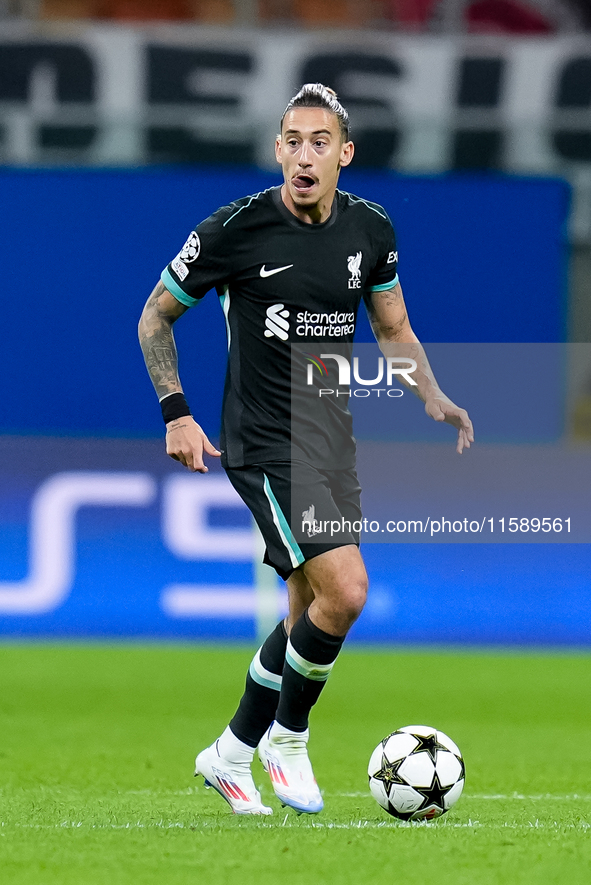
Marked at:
<point>294,221</point>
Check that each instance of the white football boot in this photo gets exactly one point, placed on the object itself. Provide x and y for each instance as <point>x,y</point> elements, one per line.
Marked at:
<point>232,779</point>
<point>284,755</point>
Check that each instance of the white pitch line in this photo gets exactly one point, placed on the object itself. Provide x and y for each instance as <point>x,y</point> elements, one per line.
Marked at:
<point>483,796</point>
<point>313,825</point>
<point>365,794</point>
<point>534,797</point>
<point>361,794</point>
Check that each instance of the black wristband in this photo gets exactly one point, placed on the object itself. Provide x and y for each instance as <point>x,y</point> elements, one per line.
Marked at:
<point>174,406</point>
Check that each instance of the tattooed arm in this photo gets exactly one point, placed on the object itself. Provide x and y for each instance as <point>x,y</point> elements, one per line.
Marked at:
<point>394,334</point>
<point>185,440</point>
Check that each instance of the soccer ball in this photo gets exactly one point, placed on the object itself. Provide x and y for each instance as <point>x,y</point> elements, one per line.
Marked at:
<point>416,773</point>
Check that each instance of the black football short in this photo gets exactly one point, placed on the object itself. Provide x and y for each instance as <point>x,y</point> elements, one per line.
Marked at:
<point>302,511</point>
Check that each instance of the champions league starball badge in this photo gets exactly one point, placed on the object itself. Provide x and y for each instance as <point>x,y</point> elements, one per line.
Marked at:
<point>191,249</point>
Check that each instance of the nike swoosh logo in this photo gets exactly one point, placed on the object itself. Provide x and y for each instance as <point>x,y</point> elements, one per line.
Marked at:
<point>269,273</point>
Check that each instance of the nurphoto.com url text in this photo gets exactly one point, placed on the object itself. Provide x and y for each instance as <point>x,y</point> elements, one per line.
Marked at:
<point>486,525</point>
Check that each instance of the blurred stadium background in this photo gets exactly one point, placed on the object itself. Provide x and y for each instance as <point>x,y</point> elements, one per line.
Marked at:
<point>124,122</point>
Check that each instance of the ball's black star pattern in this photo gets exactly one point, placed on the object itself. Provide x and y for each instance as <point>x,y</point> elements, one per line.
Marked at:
<point>388,773</point>
<point>463,772</point>
<point>428,744</point>
<point>433,795</point>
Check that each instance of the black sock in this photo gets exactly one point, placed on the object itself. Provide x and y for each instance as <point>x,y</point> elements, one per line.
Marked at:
<point>309,658</point>
<point>257,707</point>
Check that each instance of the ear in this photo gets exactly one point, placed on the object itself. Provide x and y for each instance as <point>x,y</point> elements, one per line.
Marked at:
<point>278,148</point>
<point>347,152</point>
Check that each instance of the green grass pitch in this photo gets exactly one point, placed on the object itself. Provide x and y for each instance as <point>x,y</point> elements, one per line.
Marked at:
<point>97,745</point>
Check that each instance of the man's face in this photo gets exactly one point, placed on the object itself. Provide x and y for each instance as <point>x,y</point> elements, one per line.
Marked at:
<point>311,153</point>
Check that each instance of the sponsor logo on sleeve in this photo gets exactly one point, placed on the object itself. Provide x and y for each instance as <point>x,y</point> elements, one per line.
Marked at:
<point>392,257</point>
<point>191,249</point>
<point>180,268</point>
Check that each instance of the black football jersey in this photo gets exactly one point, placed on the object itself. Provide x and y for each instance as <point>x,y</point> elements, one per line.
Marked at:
<point>290,292</point>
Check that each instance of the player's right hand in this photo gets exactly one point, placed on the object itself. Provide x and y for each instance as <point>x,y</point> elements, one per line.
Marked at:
<point>186,442</point>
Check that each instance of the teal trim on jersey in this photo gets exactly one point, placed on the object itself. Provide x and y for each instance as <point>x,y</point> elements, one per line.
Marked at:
<point>291,545</point>
<point>383,287</point>
<point>316,672</point>
<point>246,205</point>
<point>225,302</point>
<point>263,676</point>
<point>356,199</point>
<point>174,289</point>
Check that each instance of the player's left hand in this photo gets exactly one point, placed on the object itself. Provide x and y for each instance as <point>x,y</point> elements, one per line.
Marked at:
<point>441,408</point>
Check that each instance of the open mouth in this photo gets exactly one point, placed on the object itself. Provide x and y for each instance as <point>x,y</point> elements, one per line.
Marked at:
<point>303,184</point>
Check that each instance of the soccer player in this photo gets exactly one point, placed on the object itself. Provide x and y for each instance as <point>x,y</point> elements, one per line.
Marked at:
<point>290,266</point>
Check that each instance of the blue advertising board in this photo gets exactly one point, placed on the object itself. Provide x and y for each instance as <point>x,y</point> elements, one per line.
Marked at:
<point>111,538</point>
